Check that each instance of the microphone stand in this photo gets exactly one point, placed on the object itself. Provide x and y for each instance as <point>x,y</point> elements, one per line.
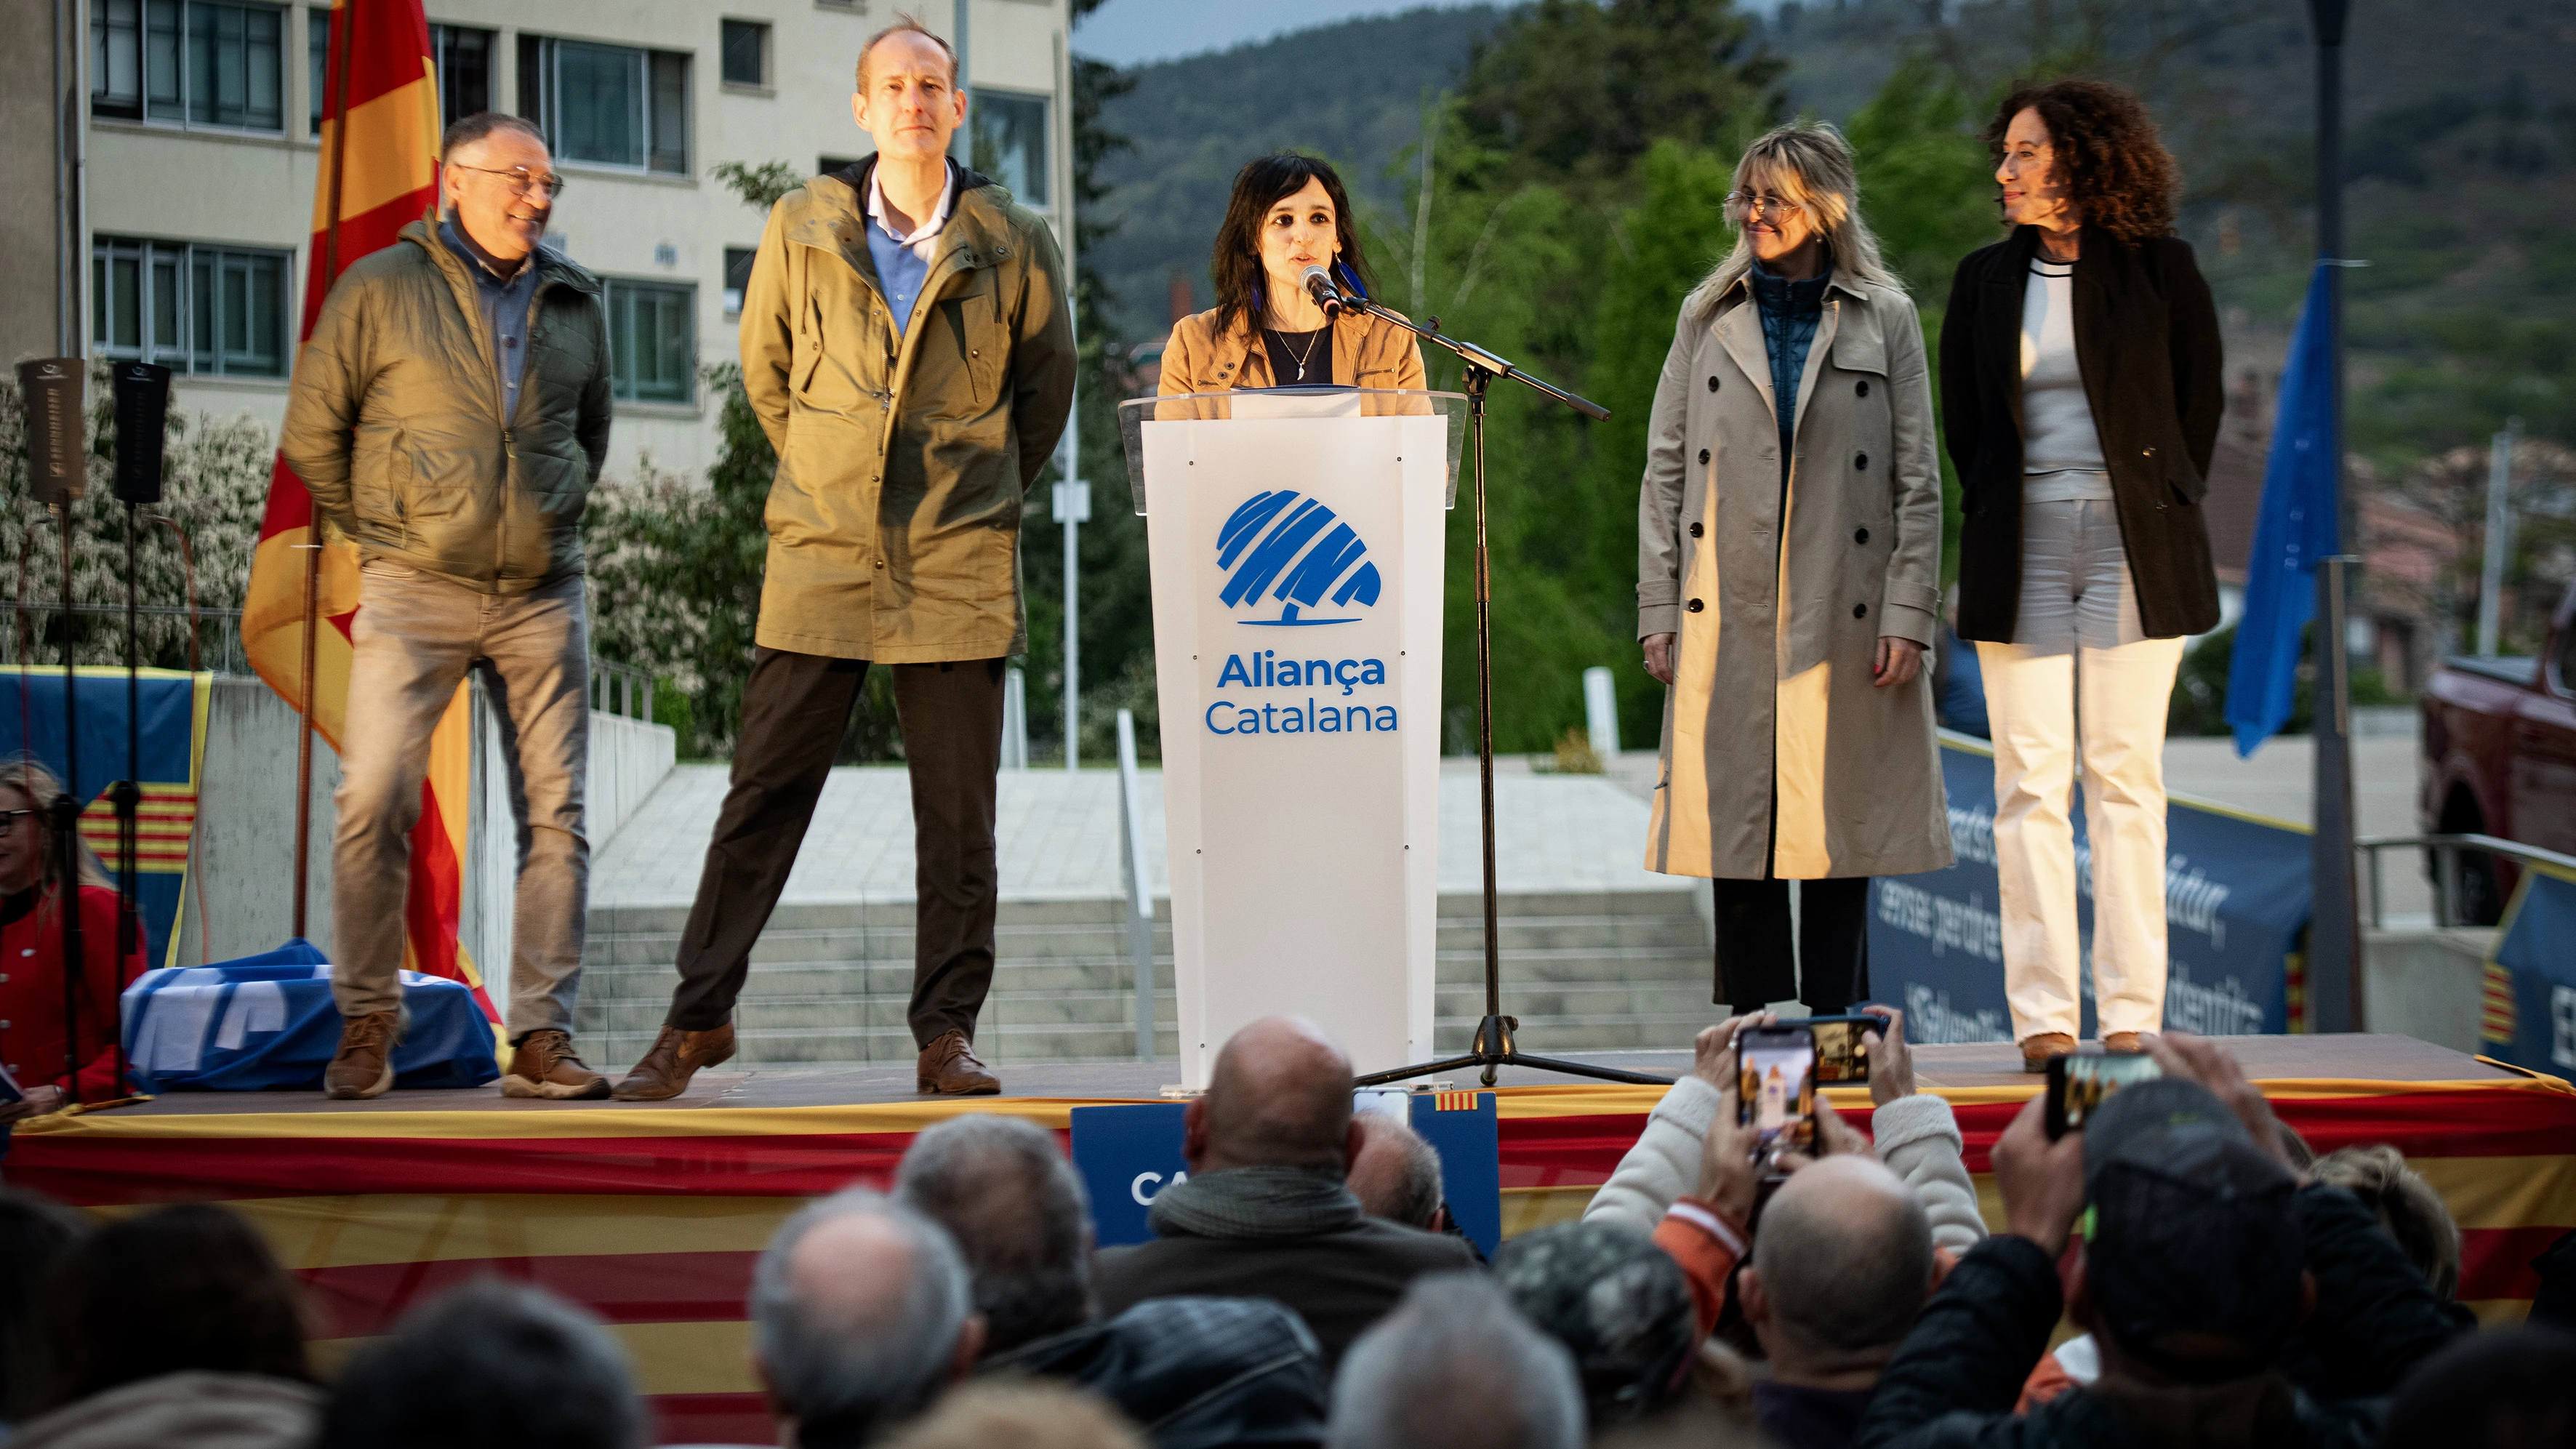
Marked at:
<point>128,797</point>
<point>1493,1047</point>
<point>66,813</point>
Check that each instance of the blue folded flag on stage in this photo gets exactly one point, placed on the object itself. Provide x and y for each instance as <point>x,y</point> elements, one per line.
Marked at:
<point>2300,525</point>
<point>268,1021</point>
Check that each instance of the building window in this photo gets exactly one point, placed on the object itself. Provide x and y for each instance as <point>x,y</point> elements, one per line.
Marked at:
<point>737,278</point>
<point>189,62</point>
<point>1010,132</point>
<point>116,58</point>
<point>827,165</point>
<point>746,53</point>
<point>464,71</point>
<point>317,61</point>
<point>207,310</point>
<point>652,340</point>
<point>607,105</point>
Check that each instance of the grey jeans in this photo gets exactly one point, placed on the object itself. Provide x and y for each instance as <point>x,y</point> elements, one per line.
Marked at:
<point>415,638</point>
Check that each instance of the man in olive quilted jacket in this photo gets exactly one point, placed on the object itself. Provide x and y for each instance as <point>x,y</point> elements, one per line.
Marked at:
<point>449,415</point>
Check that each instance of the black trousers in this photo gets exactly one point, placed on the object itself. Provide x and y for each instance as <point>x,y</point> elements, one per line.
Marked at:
<point>1753,961</point>
<point>794,710</point>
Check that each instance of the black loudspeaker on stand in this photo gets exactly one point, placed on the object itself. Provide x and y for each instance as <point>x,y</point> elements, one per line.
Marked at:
<point>1493,1047</point>
<point>57,472</point>
<point>142,441</point>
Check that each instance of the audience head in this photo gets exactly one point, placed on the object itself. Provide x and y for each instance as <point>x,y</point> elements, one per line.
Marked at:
<point>1019,1217</point>
<point>184,1287</point>
<point>861,1313</point>
<point>2509,1388</point>
<point>1280,1096</point>
<point>2405,1204</point>
<point>1456,1367</point>
<point>1024,1415</point>
<point>1841,1269</point>
<point>1619,1304</point>
<point>1396,1175</point>
<point>488,1363</point>
<point>35,1232</point>
<point>2192,1260</point>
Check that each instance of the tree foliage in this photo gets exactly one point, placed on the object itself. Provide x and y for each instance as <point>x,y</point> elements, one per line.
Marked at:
<point>214,484</point>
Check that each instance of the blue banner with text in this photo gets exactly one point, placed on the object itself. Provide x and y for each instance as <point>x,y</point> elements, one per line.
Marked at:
<point>2236,905</point>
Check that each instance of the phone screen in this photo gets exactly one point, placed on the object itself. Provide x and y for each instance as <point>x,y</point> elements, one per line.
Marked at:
<point>2079,1083</point>
<point>1776,1087</point>
<point>1841,1054</point>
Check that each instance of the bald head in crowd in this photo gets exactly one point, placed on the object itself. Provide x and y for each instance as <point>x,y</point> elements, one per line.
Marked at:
<point>1396,1175</point>
<point>861,1315</point>
<point>1280,1097</point>
<point>1841,1269</point>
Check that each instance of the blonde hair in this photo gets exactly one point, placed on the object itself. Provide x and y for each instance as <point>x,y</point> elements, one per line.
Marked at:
<point>28,776</point>
<point>2405,1204</point>
<point>1810,163</point>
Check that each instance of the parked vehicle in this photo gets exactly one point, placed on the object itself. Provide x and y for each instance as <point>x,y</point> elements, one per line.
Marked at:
<point>2499,758</point>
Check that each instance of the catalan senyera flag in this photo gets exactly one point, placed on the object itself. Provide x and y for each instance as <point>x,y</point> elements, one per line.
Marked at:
<point>380,136</point>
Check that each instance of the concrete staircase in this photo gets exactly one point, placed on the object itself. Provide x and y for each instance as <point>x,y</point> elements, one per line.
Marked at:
<point>1592,971</point>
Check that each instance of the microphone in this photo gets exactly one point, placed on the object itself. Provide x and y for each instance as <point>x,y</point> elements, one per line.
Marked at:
<point>1319,285</point>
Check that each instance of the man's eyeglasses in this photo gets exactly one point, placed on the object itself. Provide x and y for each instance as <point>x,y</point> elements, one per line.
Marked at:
<point>9,821</point>
<point>520,180</point>
<point>1743,204</point>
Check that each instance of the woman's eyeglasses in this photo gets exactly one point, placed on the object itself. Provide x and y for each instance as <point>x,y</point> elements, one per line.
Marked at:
<point>9,821</point>
<point>1743,204</point>
<point>520,180</point>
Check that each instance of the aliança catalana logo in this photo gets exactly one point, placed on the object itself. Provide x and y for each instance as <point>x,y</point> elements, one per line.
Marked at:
<point>1283,554</point>
<point>1283,549</point>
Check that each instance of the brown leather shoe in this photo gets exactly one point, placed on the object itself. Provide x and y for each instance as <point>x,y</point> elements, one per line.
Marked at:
<point>676,1056</point>
<point>364,1065</point>
<point>2121,1043</point>
<point>545,1065</point>
<point>949,1068</point>
<point>2036,1050</point>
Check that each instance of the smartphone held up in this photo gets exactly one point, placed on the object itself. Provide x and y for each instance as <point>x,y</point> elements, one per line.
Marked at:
<point>2079,1083</point>
<point>1776,1088</point>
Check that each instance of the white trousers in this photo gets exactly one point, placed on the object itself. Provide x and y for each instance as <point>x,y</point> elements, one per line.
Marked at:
<point>2080,685</point>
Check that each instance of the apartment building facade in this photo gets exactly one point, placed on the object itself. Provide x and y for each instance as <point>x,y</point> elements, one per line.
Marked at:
<point>198,162</point>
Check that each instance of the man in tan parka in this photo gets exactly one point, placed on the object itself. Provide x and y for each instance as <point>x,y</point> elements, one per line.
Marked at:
<point>907,341</point>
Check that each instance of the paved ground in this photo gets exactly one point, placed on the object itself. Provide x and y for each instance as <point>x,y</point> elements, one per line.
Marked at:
<point>1058,836</point>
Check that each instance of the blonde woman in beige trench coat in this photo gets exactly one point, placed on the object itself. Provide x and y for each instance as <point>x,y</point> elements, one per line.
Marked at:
<point>1788,561</point>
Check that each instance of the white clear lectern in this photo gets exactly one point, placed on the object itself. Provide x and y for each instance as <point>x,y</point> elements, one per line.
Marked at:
<point>1297,542</point>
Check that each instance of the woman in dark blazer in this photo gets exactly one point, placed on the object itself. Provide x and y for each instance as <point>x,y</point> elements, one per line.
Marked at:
<point>2080,386</point>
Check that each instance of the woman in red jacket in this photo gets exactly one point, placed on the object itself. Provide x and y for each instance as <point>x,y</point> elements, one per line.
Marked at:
<point>31,956</point>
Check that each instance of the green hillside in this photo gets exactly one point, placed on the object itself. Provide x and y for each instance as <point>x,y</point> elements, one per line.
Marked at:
<point>1351,92</point>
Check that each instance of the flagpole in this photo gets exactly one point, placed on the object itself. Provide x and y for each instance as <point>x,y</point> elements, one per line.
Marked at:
<point>2334,985</point>
<point>338,115</point>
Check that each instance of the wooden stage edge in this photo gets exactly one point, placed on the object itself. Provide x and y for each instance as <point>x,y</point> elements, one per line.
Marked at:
<point>1985,1064</point>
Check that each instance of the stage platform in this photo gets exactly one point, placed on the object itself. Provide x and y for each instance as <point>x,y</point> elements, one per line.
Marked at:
<point>652,1214</point>
<point>1981,1064</point>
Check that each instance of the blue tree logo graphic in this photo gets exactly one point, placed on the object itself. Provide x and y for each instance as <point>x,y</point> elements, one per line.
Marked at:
<point>1300,552</point>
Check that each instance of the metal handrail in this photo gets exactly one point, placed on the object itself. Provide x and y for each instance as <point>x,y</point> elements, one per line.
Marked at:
<point>200,615</point>
<point>1140,882</point>
<point>620,689</point>
<point>2446,850</point>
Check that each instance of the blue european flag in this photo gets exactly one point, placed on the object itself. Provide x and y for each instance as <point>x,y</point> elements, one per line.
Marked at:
<point>2299,526</point>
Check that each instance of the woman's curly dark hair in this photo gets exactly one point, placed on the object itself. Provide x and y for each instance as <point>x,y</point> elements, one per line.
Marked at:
<point>2112,162</point>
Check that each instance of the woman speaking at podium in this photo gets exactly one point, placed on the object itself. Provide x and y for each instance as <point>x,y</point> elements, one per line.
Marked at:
<point>1789,551</point>
<point>1288,213</point>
